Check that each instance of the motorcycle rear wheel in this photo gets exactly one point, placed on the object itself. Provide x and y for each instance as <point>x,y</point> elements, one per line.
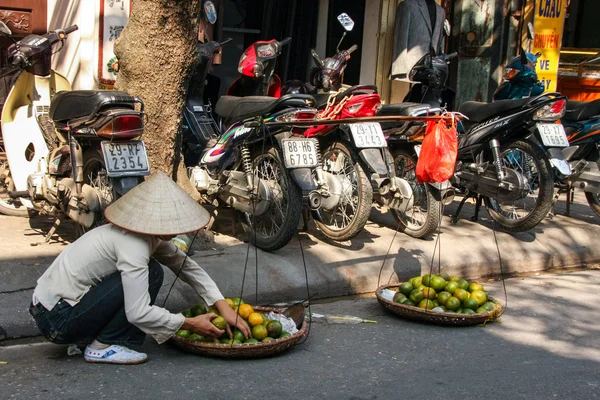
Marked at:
<point>274,229</point>
<point>94,174</point>
<point>522,215</point>
<point>351,215</point>
<point>424,217</point>
<point>594,198</point>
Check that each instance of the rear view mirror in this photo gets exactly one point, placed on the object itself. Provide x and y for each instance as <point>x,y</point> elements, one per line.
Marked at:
<point>5,29</point>
<point>211,12</point>
<point>346,22</point>
<point>530,31</point>
<point>447,28</point>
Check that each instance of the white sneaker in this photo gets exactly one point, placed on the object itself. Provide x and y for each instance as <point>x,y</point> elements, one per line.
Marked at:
<point>114,354</point>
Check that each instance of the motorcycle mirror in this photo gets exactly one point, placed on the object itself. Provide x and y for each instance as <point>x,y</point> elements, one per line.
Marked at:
<point>530,31</point>
<point>5,29</point>
<point>523,56</point>
<point>316,57</point>
<point>211,12</point>
<point>340,42</point>
<point>346,21</point>
<point>447,27</point>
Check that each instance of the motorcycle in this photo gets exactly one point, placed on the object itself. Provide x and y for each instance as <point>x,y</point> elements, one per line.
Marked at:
<point>239,161</point>
<point>500,160</point>
<point>355,159</point>
<point>68,153</point>
<point>581,123</point>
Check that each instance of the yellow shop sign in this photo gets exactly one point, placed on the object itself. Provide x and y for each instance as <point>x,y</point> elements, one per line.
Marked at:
<point>548,27</point>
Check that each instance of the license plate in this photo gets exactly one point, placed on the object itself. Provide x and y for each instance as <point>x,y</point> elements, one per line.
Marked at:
<point>126,158</point>
<point>299,153</point>
<point>368,134</point>
<point>553,135</point>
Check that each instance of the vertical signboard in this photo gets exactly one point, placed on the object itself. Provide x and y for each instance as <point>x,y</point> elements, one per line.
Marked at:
<point>114,15</point>
<point>548,26</point>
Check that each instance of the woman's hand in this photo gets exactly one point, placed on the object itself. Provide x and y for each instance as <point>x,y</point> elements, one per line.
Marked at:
<point>232,319</point>
<point>202,325</point>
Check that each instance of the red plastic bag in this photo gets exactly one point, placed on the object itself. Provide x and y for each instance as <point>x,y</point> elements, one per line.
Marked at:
<point>438,152</point>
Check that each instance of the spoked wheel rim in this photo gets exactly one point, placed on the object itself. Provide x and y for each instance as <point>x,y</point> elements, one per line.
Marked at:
<point>340,164</point>
<point>94,175</point>
<point>525,164</point>
<point>11,206</point>
<point>416,216</point>
<point>269,169</point>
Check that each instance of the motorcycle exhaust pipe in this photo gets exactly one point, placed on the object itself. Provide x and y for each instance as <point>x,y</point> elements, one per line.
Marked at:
<point>314,200</point>
<point>448,196</point>
<point>20,193</point>
<point>383,185</point>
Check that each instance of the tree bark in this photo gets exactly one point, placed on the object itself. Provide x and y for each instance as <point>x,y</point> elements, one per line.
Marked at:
<point>157,51</point>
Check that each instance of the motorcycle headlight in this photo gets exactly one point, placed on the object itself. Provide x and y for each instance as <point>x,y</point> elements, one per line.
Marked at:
<point>265,50</point>
<point>510,73</point>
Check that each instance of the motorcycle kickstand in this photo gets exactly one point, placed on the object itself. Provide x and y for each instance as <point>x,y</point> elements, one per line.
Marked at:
<point>60,218</point>
<point>478,201</point>
<point>570,198</point>
<point>305,219</point>
<point>454,219</point>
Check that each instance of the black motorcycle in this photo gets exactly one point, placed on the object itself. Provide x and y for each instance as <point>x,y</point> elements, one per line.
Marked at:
<point>506,149</point>
<point>237,160</point>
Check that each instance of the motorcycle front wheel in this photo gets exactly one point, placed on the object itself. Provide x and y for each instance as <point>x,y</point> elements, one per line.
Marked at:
<point>528,159</point>
<point>594,198</point>
<point>350,216</point>
<point>274,229</point>
<point>423,218</point>
<point>9,206</point>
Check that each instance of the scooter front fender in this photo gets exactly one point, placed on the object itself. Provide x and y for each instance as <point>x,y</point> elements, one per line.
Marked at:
<point>24,143</point>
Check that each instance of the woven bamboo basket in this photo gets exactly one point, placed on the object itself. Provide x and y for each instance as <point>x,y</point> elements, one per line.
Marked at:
<point>254,350</point>
<point>440,318</point>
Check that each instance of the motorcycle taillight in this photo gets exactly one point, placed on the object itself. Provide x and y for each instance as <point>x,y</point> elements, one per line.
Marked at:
<point>362,106</point>
<point>551,112</point>
<point>122,127</point>
<point>307,114</point>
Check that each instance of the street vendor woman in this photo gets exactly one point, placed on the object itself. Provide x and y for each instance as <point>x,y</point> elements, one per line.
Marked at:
<point>101,289</point>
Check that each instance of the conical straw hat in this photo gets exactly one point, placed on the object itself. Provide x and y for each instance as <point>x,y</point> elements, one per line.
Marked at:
<point>157,206</point>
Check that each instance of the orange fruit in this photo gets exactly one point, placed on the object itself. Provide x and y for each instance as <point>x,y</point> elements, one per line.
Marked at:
<point>255,319</point>
<point>259,332</point>
<point>461,294</point>
<point>245,310</point>
<point>480,296</point>
<point>230,302</point>
<point>429,293</point>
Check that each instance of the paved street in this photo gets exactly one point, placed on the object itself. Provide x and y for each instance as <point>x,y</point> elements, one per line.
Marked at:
<point>547,345</point>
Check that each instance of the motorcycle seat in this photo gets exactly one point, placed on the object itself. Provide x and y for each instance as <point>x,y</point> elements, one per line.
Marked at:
<point>403,109</point>
<point>69,105</point>
<point>233,109</point>
<point>479,112</point>
<point>582,110</point>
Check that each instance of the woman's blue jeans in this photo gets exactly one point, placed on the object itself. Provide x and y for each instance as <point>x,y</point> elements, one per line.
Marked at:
<point>100,314</point>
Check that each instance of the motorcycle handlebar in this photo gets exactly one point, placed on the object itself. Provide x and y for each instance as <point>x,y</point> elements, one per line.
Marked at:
<point>71,29</point>
<point>452,56</point>
<point>226,41</point>
<point>285,41</point>
<point>352,49</point>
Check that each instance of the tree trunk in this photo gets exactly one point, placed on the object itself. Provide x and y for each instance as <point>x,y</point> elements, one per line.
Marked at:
<point>157,51</point>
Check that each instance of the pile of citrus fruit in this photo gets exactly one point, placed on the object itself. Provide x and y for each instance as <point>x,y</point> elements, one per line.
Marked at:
<point>263,330</point>
<point>451,294</point>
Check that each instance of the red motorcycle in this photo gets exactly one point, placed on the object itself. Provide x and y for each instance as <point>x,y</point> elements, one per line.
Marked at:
<point>257,66</point>
<point>355,154</point>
